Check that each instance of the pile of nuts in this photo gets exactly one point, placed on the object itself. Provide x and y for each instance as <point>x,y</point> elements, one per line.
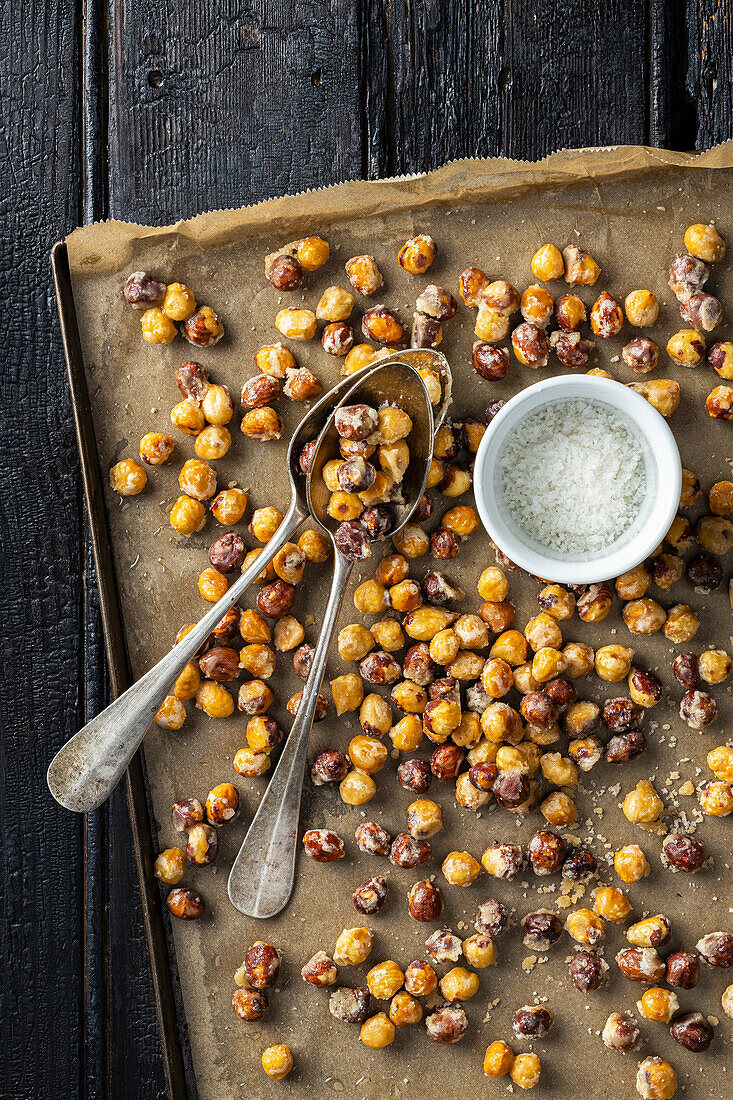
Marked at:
<point>497,705</point>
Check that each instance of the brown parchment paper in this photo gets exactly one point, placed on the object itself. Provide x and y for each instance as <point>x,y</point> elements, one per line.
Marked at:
<point>629,207</point>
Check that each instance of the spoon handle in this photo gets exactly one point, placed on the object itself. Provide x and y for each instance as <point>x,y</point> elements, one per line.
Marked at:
<point>85,771</point>
<point>261,878</point>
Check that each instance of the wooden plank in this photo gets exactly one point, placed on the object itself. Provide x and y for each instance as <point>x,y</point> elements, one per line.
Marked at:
<point>41,1000</point>
<point>709,79</point>
<point>211,106</point>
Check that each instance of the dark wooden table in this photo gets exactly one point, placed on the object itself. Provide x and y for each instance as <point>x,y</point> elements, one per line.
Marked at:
<point>151,113</point>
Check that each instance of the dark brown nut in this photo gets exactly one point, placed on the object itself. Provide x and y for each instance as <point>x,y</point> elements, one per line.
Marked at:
<point>323,845</point>
<point>447,1025</point>
<point>355,475</point>
<point>579,865</point>
<point>373,839</point>
<point>644,688</point>
<point>426,332</point>
<point>492,409</point>
<point>491,919</point>
<point>716,949</point>
<point>261,965</point>
<point>439,590</point>
<point>687,276</point>
<point>414,775</point>
<point>686,670</point>
<point>606,317</point>
<point>621,714</point>
<point>447,687</point>
<point>142,291</point>
<point>511,791</point>
<point>377,521</point>
<point>692,1031</point>
<point>595,603</point>
<point>531,345</point>
<point>337,339</point>
<point>254,698</point>
<point>320,970</point>
<point>719,404</point>
<point>321,706</point>
<point>203,845</point>
<point>704,574</point>
<point>408,852</point>
<point>702,311</point>
<point>490,361</point>
<point>641,964</point>
<point>562,693</point>
<point>352,540</point>
<point>284,272</point>
<point>356,422</point>
<point>586,752</point>
<point>444,543</point>
<point>379,667</point>
<point>276,599</point>
<point>684,852</point>
<point>483,775</point>
<point>698,709</point>
<point>446,761</point>
<point>586,971</point>
<point>203,328</point>
<point>187,812</point>
<point>349,1005</point>
<point>683,970</point>
<point>436,302</point>
<point>667,570</point>
<point>539,710</point>
<point>186,904</point>
<point>581,719</point>
<point>641,354</point>
<point>330,766</point>
<point>541,929</point>
<point>621,1033</point>
<point>423,509</point>
<point>304,459</point>
<point>571,349</point>
<point>625,746</point>
<point>418,665</point>
<point>425,902</point>
<point>193,381</point>
<point>249,1004</point>
<point>228,552</point>
<point>546,852</point>
<point>227,629</point>
<point>369,897</point>
<point>532,1022</point>
<point>220,663</point>
<point>258,391</point>
<point>381,324</point>
<point>503,860</point>
<point>302,661</point>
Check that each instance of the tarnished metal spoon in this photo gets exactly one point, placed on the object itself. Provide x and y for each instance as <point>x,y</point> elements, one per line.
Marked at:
<point>262,876</point>
<point>85,771</point>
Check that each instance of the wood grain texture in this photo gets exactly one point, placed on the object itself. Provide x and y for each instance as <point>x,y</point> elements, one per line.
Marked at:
<point>179,108</point>
<point>41,995</point>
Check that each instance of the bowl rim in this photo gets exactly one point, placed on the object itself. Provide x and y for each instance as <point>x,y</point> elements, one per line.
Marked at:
<point>668,462</point>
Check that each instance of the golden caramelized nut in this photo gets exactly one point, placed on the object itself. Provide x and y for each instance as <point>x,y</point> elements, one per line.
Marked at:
<point>642,805</point>
<point>128,478</point>
<point>705,243</point>
<point>312,253</point>
<point>170,866</point>
<point>277,1061</point>
<point>719,403</point>
<point>347,692</point>
<point>384,980</point>
<point>585,926</point>
<point>686,347</point>
<point>377,1032</point>
<point>459,984</point>
<point>580,267</point>
<point>212,442</point>
<point>229,506</point>
<point>155,449</point>
<point>499,1058</point>
<point>460,869</point>
<point>611,904</point>
<point>187,516</point>
<point>353,947</point>
<point>662,393</point>
<point>262,424</point>
<point>630,863</point>
<point>613,662</point>
<point>417,254</point>
<point>642,308</point>
<point>656,1079</point>
<point>156,327</point>
<point>296,323</point>
<point>404,1010</point>
<point>364,275</point>
<point>606,317</point>
<point>716,800</point>
<point>526,1070</point>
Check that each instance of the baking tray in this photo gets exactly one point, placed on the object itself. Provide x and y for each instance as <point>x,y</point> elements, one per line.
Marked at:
<point>609,194</point>
<point>177,1068</point>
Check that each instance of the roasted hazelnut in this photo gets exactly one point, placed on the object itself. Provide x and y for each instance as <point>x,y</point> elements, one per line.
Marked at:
<point>625,746</point>
<point>581,719</point>
<point>249,1004</point>
<point>323,845</point>
<point>687,275</point>
<point>503,860</point>
<point>330,766</point>
<point>532,1022</point>
<point>186,904</point>
<point>222,803</point>
<point>692,1031</point>
<point>698,709</point>
<point>701,311</point>
<point>538,709</point>
<point>254,698</point>
<point>276,599</point>
<point>447,1025</point>
<point>716,949</point>
<point>541,929</point>
<point>586,971</point>
<point>349,1005</point>
<point>546,852</point>
<point>408,851</point>
<point>641,964</point>
<point>684,852</point>
<point>606,318</point>
<point>580,267</point>
<point>621,714</point>
<point>369,897</point>
<point>704,574</point>
<point>621,1033</point>
<point>186,813</point>
<point>483,775</point>
<point>203,328</point>
<point>320,970</point>
<point>686,670</point>
<point>530,345</point>
<point>579,864</point>
<point>203,845</point>
<point>490,361</point>
<point>373,839</point>
<point>594,604</point>
<point>425,902</point>
<point>683,970</point>
<point>381,324</point>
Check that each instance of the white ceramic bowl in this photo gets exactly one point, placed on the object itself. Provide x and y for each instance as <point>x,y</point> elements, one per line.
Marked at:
<point>658,509</point>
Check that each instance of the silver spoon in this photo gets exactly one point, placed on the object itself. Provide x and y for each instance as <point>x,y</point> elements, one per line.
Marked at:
<point>262,876</point>
<point>85,771</point>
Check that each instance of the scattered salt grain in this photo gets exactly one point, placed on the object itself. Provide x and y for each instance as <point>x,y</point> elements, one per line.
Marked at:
<point>574,476</point>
